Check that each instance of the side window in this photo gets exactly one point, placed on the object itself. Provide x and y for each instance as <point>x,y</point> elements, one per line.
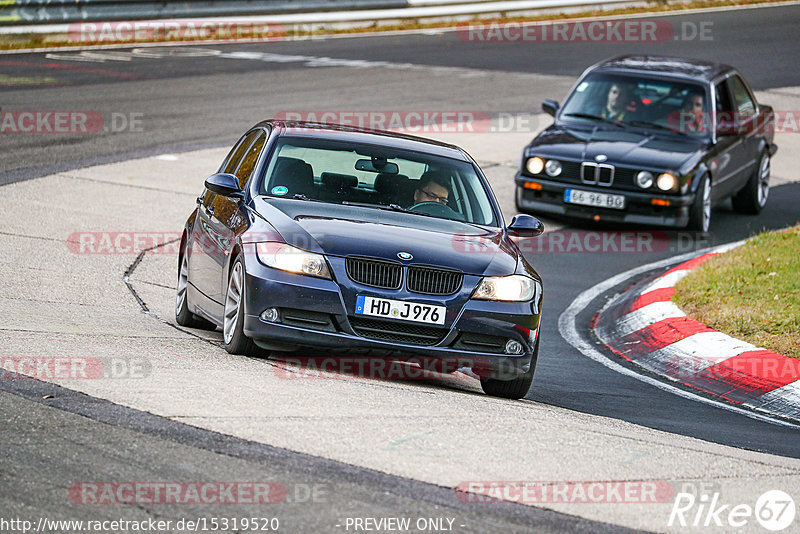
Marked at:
<point>723,100</point>
<point>743,100</point>
<point>236,154</point>
<point>249,162</point>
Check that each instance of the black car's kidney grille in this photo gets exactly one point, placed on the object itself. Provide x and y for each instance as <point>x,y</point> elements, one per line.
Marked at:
<point>597,173</point>
<point>374,272</point>
<point>409,333</point>
<point>431,281</point>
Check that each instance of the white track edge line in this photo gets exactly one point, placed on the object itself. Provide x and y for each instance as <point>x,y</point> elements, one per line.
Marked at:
<point>568,329</point>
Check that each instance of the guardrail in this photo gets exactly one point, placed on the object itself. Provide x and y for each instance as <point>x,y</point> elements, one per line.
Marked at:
<point>55,16</point>
<point>13,12</point>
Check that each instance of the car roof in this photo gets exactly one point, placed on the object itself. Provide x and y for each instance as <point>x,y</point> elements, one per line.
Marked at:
<point>696,69</point>
<point>337,132</point>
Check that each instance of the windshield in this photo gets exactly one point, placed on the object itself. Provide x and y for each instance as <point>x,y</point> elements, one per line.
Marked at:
<point>366,175</point>
<point>659,104</point>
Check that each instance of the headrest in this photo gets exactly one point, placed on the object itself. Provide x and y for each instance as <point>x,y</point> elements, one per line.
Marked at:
<point>293,173</point>
<point>390,183</point>
<point>335,180</point>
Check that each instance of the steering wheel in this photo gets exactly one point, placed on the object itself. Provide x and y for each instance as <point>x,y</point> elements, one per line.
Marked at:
<point>436,209</point>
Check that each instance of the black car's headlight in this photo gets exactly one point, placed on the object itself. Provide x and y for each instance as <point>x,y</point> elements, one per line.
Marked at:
<point>294,260</point>
<point>514,288</point>
<point>553,167</point>
<point>667,182</point>
<point>644,179</point>
<point>535,165</point>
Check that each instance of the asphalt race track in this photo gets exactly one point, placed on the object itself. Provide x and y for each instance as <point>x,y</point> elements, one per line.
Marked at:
<point>350,448</point>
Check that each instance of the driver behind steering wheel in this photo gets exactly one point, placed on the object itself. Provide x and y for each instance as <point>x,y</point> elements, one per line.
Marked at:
<point>434,186</point>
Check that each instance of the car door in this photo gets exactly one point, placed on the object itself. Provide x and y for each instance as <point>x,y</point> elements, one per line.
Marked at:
<point>229,213</point>
<point>209,234</point>
<point>735,144</point>
<point>747,121</point>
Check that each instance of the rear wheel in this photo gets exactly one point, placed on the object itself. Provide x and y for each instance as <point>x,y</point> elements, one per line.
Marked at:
<point>515,388</point>
<point>700,212</point>
<point>233,337</point>
<point>182,314</point>
<point>753,197</point>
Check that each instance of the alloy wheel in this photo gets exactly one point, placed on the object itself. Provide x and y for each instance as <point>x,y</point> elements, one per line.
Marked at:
<point>232,302</point>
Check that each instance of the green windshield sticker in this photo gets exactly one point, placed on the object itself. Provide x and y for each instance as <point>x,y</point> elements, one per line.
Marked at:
<point>280,190</point>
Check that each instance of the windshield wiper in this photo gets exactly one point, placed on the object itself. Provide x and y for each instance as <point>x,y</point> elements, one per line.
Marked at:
<point>594,117</point>
<point>300,196</point>
<point>656,126</point>
<point>391,207</point>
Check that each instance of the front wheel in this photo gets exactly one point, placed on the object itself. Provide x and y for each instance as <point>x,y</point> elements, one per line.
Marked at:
<point>753,196</point>
<point>516,388</point>
<point>233,338</point>
<point>700,212</point>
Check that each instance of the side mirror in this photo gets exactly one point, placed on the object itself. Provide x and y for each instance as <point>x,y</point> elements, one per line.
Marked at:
<point>550,107</point>
<point>525,226</point>
<point>224,184</point>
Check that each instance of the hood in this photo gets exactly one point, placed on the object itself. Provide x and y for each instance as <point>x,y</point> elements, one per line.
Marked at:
<point>338,230</point>
<point>625,148</point>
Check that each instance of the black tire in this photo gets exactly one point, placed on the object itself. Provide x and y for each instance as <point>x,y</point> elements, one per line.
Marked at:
<point>753,196</point>
<point>516,388</point>
<point>700,211</point>
<point>233,337</point>
<point>182,314</point>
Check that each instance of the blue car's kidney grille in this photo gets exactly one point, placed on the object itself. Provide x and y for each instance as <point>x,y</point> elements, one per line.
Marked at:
<point>409,333</point>
<point>374,272</point>
<point>432,281</point>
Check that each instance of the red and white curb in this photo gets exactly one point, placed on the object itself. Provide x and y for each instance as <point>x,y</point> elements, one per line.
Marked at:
<point>643,326</point>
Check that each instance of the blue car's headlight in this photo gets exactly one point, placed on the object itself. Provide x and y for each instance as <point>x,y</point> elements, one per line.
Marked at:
<point>514,288</point>
<point>288,258</point>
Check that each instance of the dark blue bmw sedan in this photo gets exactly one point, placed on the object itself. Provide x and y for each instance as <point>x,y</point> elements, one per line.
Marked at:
<point>361,242</point>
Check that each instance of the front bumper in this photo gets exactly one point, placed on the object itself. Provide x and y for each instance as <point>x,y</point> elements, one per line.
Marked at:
<point>318,314</point>
<point>639,208</point>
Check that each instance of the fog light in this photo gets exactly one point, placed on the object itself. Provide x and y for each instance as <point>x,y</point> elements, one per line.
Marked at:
<point>513,347</point>
<point>270,315</point>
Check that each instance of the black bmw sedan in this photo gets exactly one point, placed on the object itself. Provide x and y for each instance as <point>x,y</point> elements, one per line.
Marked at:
<point>651,140</point>
<point>361,242</point>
